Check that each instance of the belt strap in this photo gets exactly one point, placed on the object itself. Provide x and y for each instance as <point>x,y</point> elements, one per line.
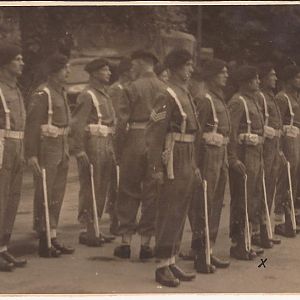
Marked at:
<point>50,108</point>
<point>183,137</point>
<point>247,114</point>
<point>138,125</point>
<point>6,110</point>
<point>96,104</point>
<point>183,114</point>
<point>216,120</point>
<point>266,109</point>
<point>10,134</point>
<point>290,109</point>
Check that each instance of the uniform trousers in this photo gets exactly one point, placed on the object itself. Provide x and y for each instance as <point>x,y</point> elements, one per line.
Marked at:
<point>252,157</point>
<point>99,150</point>
<point>10,186</point>
<point>54,157</point>
<point>214,169</point>
<point>137,187</point>
<point>174,201</point>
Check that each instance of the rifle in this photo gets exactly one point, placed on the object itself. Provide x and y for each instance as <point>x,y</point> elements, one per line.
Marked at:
<point>291,197</point>
<point>247,227</point>
<point>269,225</point>
<point>207,240</point>
<point>95,212</point>
<point>46,208</point>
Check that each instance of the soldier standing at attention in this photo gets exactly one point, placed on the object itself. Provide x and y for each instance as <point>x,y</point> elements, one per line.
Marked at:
<point>92,129</point>
<point>272,149</point>
<point>245,156</point>
<point>214,119</point>
<point>12,123</point>
<point>289,105</point>
<point>170,141</point>
<point>47,147</point>
<point>137,187</point>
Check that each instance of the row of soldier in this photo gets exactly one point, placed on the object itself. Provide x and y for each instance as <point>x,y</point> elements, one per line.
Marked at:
<point>147,142</point>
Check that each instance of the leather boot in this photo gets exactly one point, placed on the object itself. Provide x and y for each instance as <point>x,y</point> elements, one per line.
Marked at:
<point>5,266</point>
<point>180,274</point>
<point>122,251</point>
<point>164,276</point>
<point>239,251</point>
<point>200,263</point>
<point>219,263</point>
<point>17,262</point>
<point>265,242</point>
<point>44,251</point>
<point>62,248</point>
<point>146,252</point>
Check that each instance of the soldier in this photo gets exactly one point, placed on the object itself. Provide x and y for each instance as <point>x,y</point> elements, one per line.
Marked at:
<point>212,161</point>
<point>245,156</point>
<point>170,137</point>
<point>92,129</point>
<point>136,185</point>
<point>288,102</point>
<point>271,150</point>
<point>115,92</point>
<point>12,123</point>
<point>47,147</point>
<point>162,72</point>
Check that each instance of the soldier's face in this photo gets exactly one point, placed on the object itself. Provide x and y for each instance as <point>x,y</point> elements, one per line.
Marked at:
<point>254,84</point>
<point>185,72</point>
<point>296,81</point>
<point>15,67</point>
<point>270,80</point>
<point>103,74</point>
<point>221,79</point>
<point>164,76</point>
<point>63,74</point>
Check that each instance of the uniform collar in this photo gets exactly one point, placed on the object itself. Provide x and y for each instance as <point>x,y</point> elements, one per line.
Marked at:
<point>248,94</point>
<point>98,87</point>
<point>180,85</point>
<point>148,74</point>
<point>291,92</point>
<point>56,86</point>
<point>216,91</point>
<point>10,83</point>
<point>268,92</point>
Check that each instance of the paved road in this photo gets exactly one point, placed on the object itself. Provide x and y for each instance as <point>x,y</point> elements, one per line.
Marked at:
<point>95,270</point>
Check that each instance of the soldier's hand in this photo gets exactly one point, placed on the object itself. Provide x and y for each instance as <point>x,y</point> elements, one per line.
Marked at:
<point>33,163</point>
<point>239,167</point>
<point>83,160</point>
<point>282,156</point>
<point>198,175</point>
<point>158,177</point>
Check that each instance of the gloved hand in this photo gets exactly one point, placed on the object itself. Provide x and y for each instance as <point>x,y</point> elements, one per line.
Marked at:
<point>283,158</point>
<point>83,160</point>
<point>239,167</point>
<point>198,175</point>
<point>158,177</point>
<point>33,163</point>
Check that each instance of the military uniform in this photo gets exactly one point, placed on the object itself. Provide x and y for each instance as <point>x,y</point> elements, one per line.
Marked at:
<point>48,108</point>
<point>92,134</point>
<point>173,125</point>
<point>136,184</point>
<point>288,102</point>
<point>12,123</point>
<point>246,145</point>
<point>212,160</point>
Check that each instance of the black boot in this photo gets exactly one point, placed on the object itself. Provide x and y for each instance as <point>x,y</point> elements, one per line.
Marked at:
<point>200,263</point>
<point>44,251</point>
<point>164,276</point>
<point>239,251</point>
<point>146,252</point>
<point>5,266</point>
<point>285,229</point>
<point>180,274</point>
<point>84,239</point>
<point>122,251</point>
<point>265,242</point>
<point>17,262</point>
<point>62,248</point>
<point>219,263</point>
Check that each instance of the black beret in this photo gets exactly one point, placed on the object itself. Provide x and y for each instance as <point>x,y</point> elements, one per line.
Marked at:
<point>145,55</point>
<point>8,52</point>
<point>124,65</point>
<point>212,68</point>
<point>96,64</point>
<point>245,73</point>
<point>177,58</point>
<point>265,68</point>
<point>56,62</point>
<point>289,72</point>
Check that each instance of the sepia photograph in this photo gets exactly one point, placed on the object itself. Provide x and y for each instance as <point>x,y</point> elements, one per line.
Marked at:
<point>149,148</point>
